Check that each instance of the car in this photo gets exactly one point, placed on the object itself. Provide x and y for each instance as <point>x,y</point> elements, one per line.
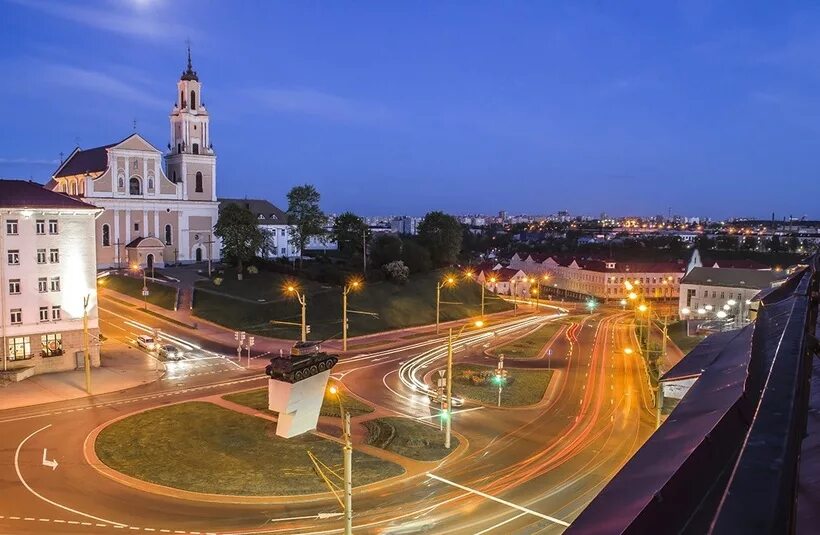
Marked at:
<point>169,352</point>
<point>146,342</point>
<point>434,399</point>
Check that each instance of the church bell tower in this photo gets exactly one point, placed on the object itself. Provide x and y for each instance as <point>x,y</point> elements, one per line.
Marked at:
<point>191,160</point>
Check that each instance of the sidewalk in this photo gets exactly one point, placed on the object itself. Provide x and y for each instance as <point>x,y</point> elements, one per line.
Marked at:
<point>122,367</point>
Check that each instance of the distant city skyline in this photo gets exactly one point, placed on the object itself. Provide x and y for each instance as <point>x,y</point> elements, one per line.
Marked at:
<point>529,108</point>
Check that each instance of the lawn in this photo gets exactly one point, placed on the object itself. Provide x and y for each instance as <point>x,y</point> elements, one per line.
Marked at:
<point>527,386</point>
<point>258,399</point>
<point>408,438</point>
<point>394,306</point>
<point>201,447</point>
<point>677,332</point>
<point>529,346</point>
<point>159,294</point>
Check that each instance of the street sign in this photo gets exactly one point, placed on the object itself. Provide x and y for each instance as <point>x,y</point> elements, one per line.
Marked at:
<point>441,373</point>
<point>145,292</point>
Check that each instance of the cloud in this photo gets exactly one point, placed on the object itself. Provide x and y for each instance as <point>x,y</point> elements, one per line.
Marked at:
<point>100,83</point>
<point>142,22</point>
<point>321,105</point>
<point>27,161</point>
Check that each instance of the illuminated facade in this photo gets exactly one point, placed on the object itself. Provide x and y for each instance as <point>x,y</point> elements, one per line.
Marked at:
<point>159,209</point>
<point>47,272</point>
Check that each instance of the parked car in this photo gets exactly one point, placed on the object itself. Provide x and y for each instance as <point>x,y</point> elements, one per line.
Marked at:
<point>146,342</point>
<point>170,352</point>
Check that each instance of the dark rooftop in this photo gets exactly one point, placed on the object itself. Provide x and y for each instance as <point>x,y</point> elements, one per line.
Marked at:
<point>85,161</point>
<point>25,194</point>
<point>264,211</point>
<point>733,277</point>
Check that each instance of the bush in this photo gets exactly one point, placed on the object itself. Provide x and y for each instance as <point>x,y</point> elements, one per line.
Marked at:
<point>253,270</point>
<point>416,257</point>
<point>217,281</point>
<point>479,378</point>
<point>397,271</point>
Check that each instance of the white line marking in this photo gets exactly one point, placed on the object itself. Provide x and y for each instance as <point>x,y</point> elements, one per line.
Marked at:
<point>454,413</point>
<point>499,500</point>
<point>31,490</point>
<point>519,515</point>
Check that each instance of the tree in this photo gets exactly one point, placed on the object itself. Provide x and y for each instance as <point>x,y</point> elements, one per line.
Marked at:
<point>441,234</point>
<point>348,232</point>
<point>305,216</point>
<point>385,249</point>
<point>397,271</point>
<point>241,236</point>
<point>415,257</point>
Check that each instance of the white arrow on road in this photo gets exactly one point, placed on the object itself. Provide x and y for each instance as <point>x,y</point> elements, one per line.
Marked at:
<point>46,462</point>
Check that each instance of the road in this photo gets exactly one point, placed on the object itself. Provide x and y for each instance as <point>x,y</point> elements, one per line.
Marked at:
<point>523,471</point>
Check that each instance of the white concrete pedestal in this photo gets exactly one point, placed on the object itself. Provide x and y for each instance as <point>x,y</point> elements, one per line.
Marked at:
<point>298,404</point>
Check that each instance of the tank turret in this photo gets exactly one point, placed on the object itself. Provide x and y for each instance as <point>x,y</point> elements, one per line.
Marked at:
<point>305,359</point>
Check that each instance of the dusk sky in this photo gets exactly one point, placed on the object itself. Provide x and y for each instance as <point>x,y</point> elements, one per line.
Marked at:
<point>468,107</point>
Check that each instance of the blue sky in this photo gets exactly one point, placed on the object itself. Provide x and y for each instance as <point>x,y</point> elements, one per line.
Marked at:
<point>707,108</point>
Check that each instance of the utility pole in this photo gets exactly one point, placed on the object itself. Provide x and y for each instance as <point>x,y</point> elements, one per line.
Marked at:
<point>438,305</point>
<point>364,253</point>
<point>348,469</point>
<point>449,390</point>
<point>209,242</point>
<point>87,355</point>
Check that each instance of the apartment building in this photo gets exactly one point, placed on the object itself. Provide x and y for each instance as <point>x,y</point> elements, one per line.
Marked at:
<point>47,280</point>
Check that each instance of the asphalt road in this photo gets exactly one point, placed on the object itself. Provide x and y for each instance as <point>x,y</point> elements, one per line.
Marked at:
<point>523,471</point>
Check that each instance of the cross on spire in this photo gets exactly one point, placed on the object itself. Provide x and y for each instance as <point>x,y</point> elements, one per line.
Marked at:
<point>189,73</point>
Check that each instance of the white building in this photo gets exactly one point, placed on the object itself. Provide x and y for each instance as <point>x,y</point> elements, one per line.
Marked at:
<point>157,209</point>
<point>405,225</point>
<point>705,290</point>
<point>505,281</point>
<point>47,271</point>
<point>272,221</point>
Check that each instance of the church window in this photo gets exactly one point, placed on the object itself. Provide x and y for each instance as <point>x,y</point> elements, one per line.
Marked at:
<point>150,183</point>
<point>179,148</point>
<point>167,234</point>
<point>181,99</point>
<point>195,148</point>
<point>121,181</point>
<point>106,235</point>
<point>134,186</point>
<point>199,182</point>
<point>193,99</point>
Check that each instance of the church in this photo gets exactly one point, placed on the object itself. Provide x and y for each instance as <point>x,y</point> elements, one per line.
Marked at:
<point>157,209</point>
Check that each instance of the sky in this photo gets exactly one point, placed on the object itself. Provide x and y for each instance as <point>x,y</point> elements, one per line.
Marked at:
<point>629,108</point>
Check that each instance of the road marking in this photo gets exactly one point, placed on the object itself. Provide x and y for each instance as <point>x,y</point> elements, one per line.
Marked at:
<point>454,413</point>
<point>31,490</point>
<point>499,500</point>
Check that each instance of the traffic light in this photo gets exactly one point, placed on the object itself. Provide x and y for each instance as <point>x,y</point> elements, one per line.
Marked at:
<point>500,377</point>
<point>445,414</point>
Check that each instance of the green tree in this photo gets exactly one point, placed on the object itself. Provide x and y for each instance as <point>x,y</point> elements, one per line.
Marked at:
<point>305,216</point>
<point>241,236</point>
<point>348,231</point>
<point>415,257</point>
<point>441,235</point>
<point>385,249</point>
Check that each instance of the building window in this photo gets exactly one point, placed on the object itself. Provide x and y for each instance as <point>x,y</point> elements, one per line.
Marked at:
<point>40,225</point>
<point>42,284</point>
<point>150,183</point>
<point>16,316</point>
<point>14,286</point>
<point>52,345</point>
<point>11,226</point>
<point>174,175</point>
<point>195,148</point>
<point>14,257</point>
<point>283,251</point>
<point>41,256</point>
<point>43,313</point>
<point>55,284</point>
<point>106,235</point>
<point>19,348</point>
<point>136,227</point>
<point>193,99</point>
<point>167,234</point>
<point>52,226</point>
<point>54,256</point>
<point>199,182</point>
<point>55,313</point>
<point>121,182</point>
<point>281,232</point>
<point>134,186</point>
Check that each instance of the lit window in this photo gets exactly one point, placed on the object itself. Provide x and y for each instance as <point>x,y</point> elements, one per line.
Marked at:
<point>19,348</point>
<point>14,286</point>
<point>14,257</point>
<point>52,345</point>
<point>43,313</point>
<point>16,316</point>
<point>11,226</point>
<point>55,284</point>
<point>41,256</point>
<point>40,225</point>
<point>52,226</point>
<point>42,284</point>
<point>55,313</point>
<point>54,256</point>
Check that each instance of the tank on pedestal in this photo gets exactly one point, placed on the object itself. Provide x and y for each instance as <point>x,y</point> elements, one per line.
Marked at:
<point>305,359</point>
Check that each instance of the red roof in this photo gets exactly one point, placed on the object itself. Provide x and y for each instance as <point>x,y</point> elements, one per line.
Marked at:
<point>504,274</point>
<point>25,194</point>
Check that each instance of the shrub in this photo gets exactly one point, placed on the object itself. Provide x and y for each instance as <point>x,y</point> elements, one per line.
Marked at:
<point>253,270</point>
<point>217,281</point>
<point>397,271</point>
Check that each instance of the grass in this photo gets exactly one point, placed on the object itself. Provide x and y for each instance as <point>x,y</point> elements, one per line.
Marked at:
<point>395,306</point>
<point>159,294</point>
<point>408,438</point>
<point>529,346</point>
<point>176,446</point>
<point>526,388</point>
<point>677,332</point>
<point>258,399</point>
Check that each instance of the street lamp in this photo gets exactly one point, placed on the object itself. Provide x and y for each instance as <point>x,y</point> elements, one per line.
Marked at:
<point>449,280</point>
<point>353,284</point>
<point>469,274</point>
<point>348,461</point>
<point>448,415</point>
<point>291,289</point>
<point>135,267</point>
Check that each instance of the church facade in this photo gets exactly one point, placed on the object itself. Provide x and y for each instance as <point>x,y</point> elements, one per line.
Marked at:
<point>157,209</point>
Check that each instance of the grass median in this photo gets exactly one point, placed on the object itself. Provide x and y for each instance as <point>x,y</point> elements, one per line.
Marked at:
<point>201,447</point>
<point>530,345</point>
<point>258,399</point>
<point>526,386</point>
<point>408,438</point>
<point>158,294</point>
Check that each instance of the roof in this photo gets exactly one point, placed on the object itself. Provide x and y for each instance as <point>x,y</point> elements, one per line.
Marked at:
<point>136,242</point>
<point>739,263</point>
<point>264,211</point>
<point>733,277</point>
<point>85,161</point>
<point>505,274</point>
<point>26,194</point>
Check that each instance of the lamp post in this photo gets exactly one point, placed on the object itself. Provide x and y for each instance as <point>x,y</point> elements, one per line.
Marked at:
<point>470,275</point>
<point>135,267</point>
<point>249,345</point>
<point>352,285</point>
<point>87,354</point>
<point>348,462</point>
<point>302,301</point>
<point>449,412</point>
<point>448,281</point>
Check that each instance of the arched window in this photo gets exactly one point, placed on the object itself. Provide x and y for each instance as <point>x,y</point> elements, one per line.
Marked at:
<point>73,188</point>
<point>198,182</point>
<point>150,183</point>
<point>168,240</point>
<point>121,181</point>
<point>181,100</point>
<point>134,186</point>
<point>193,99</point>
<point>106,235</point>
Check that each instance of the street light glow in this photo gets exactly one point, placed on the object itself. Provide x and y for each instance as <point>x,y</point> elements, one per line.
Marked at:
<point>685,311</point>
<point>627,350</point>
<point>633,296</point>
<point>642,307</point>
<point>721,314</point>
<point>333,390</point>
<point>731,302</point>
<point>479,323</point>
